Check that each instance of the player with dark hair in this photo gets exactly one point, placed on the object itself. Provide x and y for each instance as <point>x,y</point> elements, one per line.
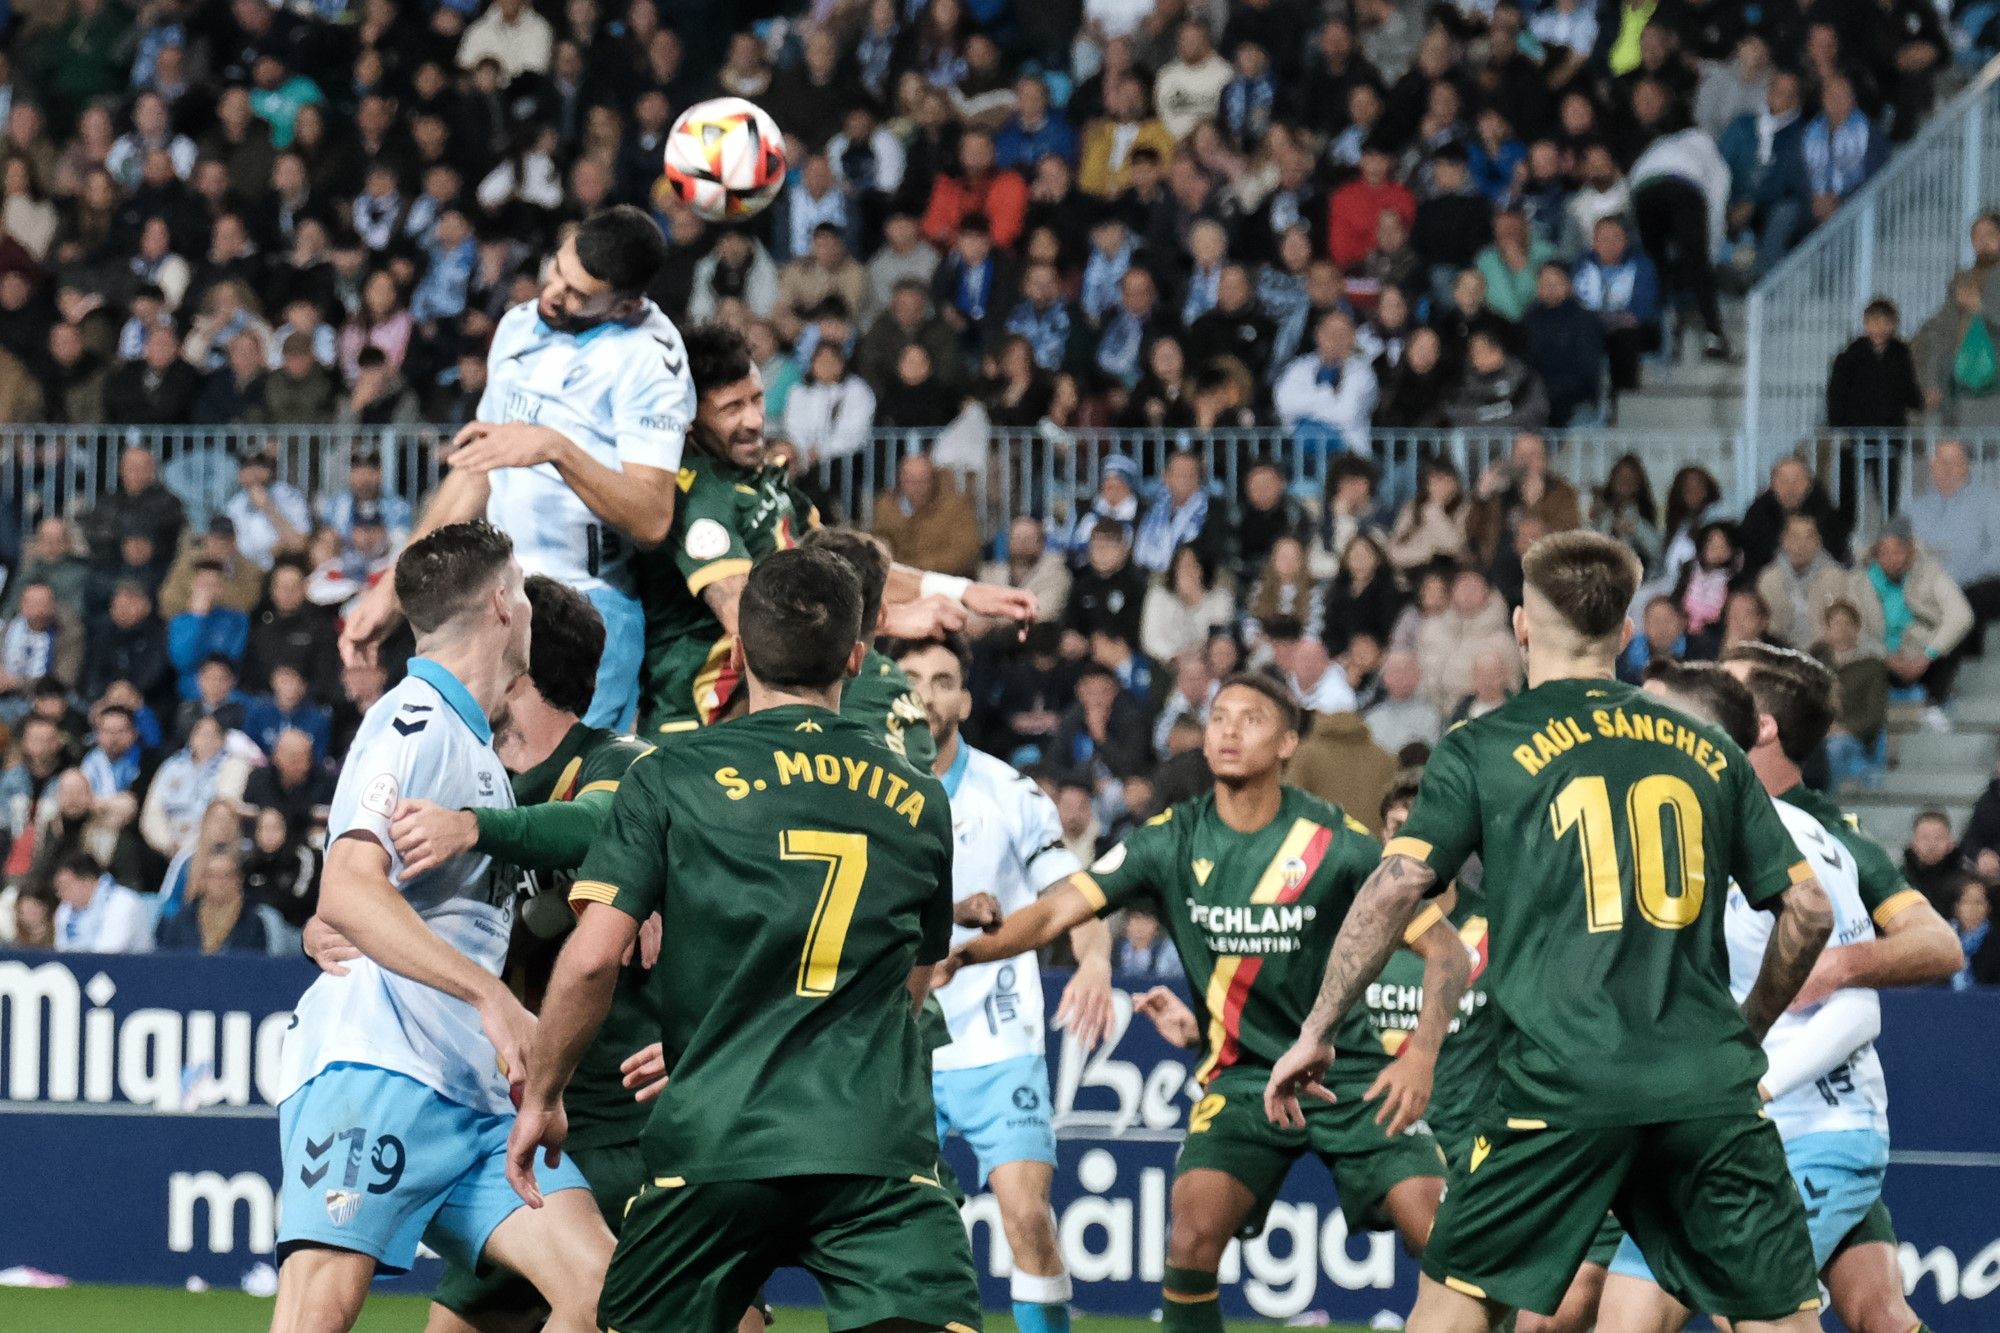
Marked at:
<point>735,508</point>
<point>880,692</point>
<point>577,442</point>
<point>1252,881</point>
<point>393,1106</point>
<point>1607,823</point>
<point>808,899</point>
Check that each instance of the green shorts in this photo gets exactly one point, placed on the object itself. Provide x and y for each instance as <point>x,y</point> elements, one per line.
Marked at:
<point>1876,1228</point>
<point>692,1258</point>
<point>615,1173</point>
<point>685,684</point>
<point>1710,1203</point>
<point>1229,1132</point>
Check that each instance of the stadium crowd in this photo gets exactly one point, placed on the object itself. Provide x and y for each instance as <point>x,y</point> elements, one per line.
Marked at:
<point>1157,213</point>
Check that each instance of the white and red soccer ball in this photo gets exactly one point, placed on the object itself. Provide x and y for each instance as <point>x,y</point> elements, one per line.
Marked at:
<point>725,159</point>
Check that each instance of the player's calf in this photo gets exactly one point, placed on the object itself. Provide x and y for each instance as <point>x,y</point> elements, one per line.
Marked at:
<point>1440,1309</point>
<point>1866,1283</point>
<point>1209,1207</point>
<point>1040,1288</point>
<point>321,1290</point>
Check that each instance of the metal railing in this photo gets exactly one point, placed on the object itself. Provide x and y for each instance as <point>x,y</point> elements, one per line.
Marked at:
<point>1902,236</point>
<point>1049,474</point>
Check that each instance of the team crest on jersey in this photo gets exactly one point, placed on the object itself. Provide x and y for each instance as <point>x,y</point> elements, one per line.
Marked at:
<point>1294,872</point>
<point>341,1206</point>
<point>707,539</point>
<point>1202,866</point>
<point>1110,861</point>
<point>379,796</point>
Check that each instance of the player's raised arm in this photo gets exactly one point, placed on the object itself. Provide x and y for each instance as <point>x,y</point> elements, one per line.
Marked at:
<point>459,498</point>
<point>1062,908</point>
<point>1805,919</point>
<point>1375,925</point>
<point>1916,947</point>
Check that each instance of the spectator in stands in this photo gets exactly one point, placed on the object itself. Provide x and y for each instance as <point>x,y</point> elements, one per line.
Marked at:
<point>1283,590</point>
<point>1841,149</point>
<point>1491,686</point>
<point>1035,130</point>
<point>1143,950</point>
<point>832,410</point>
<point>98,914</point>
<point>281,872</point>
<point>1960,523</point>
<point>40,757</point>
<point>1623,508</point>
<point>243,582</point>
<point>1452,223</point>
<point>1031,565</point>
<point>1499,392</point>
<point>215,696</point>
<point>129,643</point>
<point>288,629</point>
<point>977,187</point>
<point>43,641</point>
<point>1401,717</point>
<point>1856,748</point>
<point>737,267</point>
<point>1414,394</point>
<point>1184,515</point>
<point>301,390</point>
<point>1473,621</point>
<point>909,321</point>
<point>287,708</point>
<point>1354,211</point>
<point>160,389</point>
<point>1233,326</point>
<point>115,764</point>
<point>235,393</point>
<point>1130,330</point>
<point>1801,583</point>
<point>1905,47</point>
<point>52,561</point>
<point>1103,734</point>
<point>202,772</point>
<point>1432,526</point>
<point>1793,490</point>
<point>1703,587</point>
<point>1361,597</point>
<point>1109,592</point>
<point>1957,352</point>
<point>1912,607</point>
<point>1566,348</point>
<point>135,562</point>
<point>1873,382</point>
<point>292,784</point>
<point>1054,328</point>
<point>825,272</point>
<point>1738,88</point>
<point>1512,264</point>
<point>208,628</point>
<point>365,488</point>
<point>1932,863</point>
<point>1662,637</point>
<point>271,516</point>
<point>1325,398</point>
<point>1971,921</point>
<point>926,522</point>
<point>1680,194</point>
<point>1770,195</point>
<point>1117,498</point>
<point>1523,486</point>
<point>1317,681</point>
<point>1188,90</point>
<point>1122,137</point>
<point>1339,761</point>
<point>1618,284</point>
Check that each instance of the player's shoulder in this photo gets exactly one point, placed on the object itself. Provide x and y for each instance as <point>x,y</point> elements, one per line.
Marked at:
<point>650,341</point>
<point>519,325</point>
<point>611,752</point>
<point>1302,804</point>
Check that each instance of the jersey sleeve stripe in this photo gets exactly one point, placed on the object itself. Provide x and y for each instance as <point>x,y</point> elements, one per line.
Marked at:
<point>1415,848</point>
<point>602,784</point>
<point>1802,871</point>
<point>1424,920</point>
<point>1092,894</point>
<point>715,572</point>
<point>592,891</point>
<point>1896,904</point>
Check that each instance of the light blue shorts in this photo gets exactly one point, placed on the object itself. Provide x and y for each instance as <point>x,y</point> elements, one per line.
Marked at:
<point>1839,1176</point>
<point>1002,1110</point>
<point>375,1161</point>
<point>615,705</point>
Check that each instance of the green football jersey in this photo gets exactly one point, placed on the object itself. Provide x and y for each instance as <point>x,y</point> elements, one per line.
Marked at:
<point>801,871</point>
<point>1253,916</point>
<point>881,695</point>
<point>725,519</point>
<point>1884,891</point>
<point>1465,1072</point>
<point>1609,824</point>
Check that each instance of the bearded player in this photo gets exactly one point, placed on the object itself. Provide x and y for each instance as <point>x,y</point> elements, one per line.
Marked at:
<point>1253,881</point>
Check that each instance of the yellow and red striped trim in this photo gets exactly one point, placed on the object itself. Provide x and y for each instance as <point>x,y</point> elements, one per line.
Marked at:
<point>1229,985</point>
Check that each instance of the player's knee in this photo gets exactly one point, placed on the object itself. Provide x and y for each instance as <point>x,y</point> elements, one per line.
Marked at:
<point>1877,1312</point>
<point>1197,1242</point>
<point>1029,1223</point>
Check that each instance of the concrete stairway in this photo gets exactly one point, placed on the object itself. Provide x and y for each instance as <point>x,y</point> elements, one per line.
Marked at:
<point>1929,771</point>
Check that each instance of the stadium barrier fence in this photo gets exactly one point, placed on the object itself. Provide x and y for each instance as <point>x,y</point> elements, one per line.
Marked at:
<point>142,1087</point>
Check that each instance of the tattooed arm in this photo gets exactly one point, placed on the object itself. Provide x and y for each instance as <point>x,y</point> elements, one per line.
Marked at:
<point>1805,919</point>
<point>1373,929</point>
<point>1404,1086</point>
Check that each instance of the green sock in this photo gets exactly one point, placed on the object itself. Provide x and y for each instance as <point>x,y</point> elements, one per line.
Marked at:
<point>1190,1302</point>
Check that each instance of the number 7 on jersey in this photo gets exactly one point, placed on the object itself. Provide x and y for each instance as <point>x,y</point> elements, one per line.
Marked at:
<point>846,859</point>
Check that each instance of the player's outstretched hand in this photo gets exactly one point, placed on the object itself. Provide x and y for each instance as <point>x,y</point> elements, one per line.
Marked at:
<point>328,947</point>
<point>1003,603</point>
<point>942,974</point>
<point>1404,1089</point>
<point>1085,1012</point>
<point>1175,1021</point>
<point>979,912</point>
<point>646,1072</point>
<point>511,1029</point>
<point>1298,1070</point>
<point>537,1128</point>
<point>925,618</point>
<point>368,622</point>
<point>427,835</point>
<point>482,446</point>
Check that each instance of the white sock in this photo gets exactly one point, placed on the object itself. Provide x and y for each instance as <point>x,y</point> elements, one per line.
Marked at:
<point>1033,1290</point>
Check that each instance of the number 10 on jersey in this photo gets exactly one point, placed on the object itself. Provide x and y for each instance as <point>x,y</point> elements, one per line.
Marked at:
<point>1669,894</point>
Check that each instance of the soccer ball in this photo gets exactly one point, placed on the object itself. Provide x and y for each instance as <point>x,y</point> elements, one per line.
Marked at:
<point>725,159</point>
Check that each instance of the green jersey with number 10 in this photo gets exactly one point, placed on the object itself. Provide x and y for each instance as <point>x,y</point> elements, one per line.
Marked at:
<point>1610,824</point>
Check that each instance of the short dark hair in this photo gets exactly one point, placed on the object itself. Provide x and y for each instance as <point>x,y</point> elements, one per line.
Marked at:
<point>622,246</point>
<point>1588,579</point>
<point>565,644</point>
<point>81,864</point>
<point>1402,791</point>
<point>1284,629</point>
<point>441,572</point>
<point>1713,695</point>
<point>1799,692</point>
<point>867,557</point>
<point>115,710</point>
<point>952,642</point>
<point>1884,307</point>
<point>218,659</point>
<point>799,618</point>
<point>1922,815</point>
<point>1273,690</point>
<point>717,355</point>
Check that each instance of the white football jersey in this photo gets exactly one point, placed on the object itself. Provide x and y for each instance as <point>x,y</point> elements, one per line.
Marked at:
<point>1852,1094</point>
<point>1009,845</point>
<point>620,392</point>
<point>425,738</point>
